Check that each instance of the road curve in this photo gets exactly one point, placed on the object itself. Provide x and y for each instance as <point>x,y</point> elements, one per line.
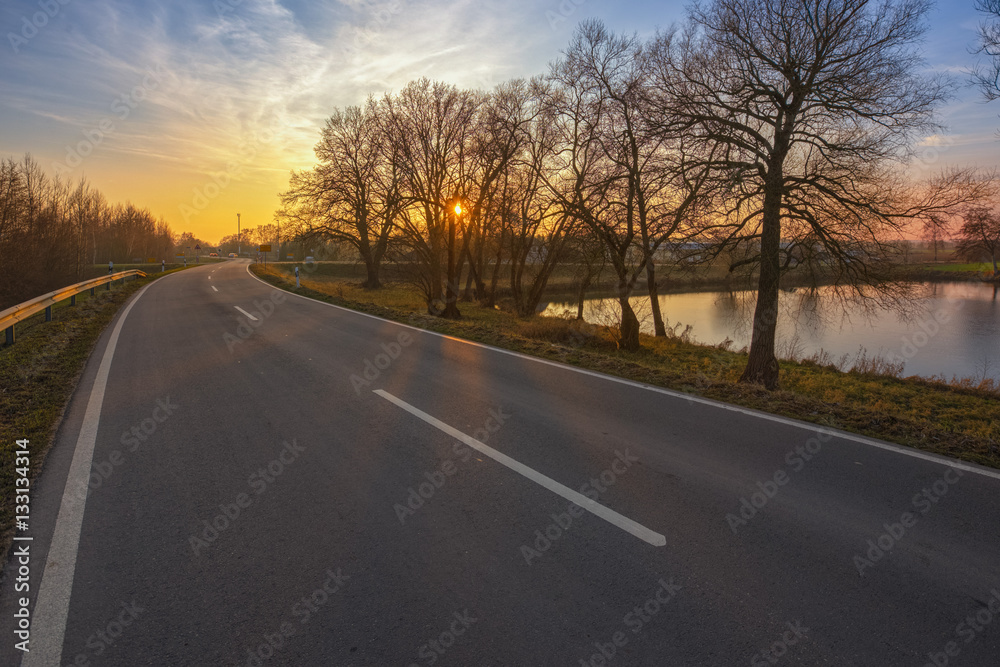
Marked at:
<point>277,481</point>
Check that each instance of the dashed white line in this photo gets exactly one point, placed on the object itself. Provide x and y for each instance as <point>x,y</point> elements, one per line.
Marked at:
<point>245,313</point>
<point>609,515</point>
<point>691,398</point>
<point>215,288</point>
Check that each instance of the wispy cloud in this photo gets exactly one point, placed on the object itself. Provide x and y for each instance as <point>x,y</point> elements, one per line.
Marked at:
<point>264,74</point>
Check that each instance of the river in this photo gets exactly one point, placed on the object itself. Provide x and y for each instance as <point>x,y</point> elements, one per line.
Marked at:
<point>950,329</point>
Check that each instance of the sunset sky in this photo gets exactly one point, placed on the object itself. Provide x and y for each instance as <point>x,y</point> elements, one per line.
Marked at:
<point>199,109</point>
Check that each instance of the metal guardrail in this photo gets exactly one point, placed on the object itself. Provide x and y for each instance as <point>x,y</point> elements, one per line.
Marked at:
<point>22,311</point>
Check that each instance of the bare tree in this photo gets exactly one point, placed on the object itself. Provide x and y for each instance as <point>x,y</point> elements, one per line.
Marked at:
<point>987,77</point>
<point>51,233</point>
<point>639,187</point>
<point>497,139</point>
<point>810,104</point>
<point>534,228</point>
<point>429,126</point>
<point>934,230</point>
<point>352,195</point>
<point>587,183</point>
<point>979,235</point>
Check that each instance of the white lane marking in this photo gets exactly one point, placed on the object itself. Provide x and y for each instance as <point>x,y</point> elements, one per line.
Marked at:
<point>817,428</point>
<point>215,288</point>
<point>210,277</point>
<point>245,313</point>
<point>609,515</point>
<point>52,605</point>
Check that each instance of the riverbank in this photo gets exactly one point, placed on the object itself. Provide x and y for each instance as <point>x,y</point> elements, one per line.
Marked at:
<point>943,273</point>
<point>957,421</point>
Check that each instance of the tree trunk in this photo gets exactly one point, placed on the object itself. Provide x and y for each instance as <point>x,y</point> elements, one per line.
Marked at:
<point>450,311</point>
<point>584,285</point>
<point>629,334</point>
<point>762,364</point>
<point>372,269</point>
<point>489,298</point>
<point>654,301</point>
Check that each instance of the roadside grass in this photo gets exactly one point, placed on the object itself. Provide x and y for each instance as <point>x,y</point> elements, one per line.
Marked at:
<point>953,419</point>
<point>38,374</point>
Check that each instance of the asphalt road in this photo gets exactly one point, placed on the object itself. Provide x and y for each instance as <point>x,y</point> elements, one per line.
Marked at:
<point>321,487</point>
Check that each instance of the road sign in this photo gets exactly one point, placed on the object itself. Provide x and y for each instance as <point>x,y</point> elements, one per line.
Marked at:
<point>265,248</point>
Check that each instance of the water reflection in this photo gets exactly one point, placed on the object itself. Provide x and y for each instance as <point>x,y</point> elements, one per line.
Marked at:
<point>947,329</point>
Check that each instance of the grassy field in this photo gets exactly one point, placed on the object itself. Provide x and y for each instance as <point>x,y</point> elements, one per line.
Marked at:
<point>958,421</point>
<point>976,267</point>
<point>39,373</point>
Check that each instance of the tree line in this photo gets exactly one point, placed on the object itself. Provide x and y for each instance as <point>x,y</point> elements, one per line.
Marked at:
<point>772,135</point>
<point>52,233</point>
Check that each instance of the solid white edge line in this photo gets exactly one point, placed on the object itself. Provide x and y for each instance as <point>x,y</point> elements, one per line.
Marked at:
<point>245,313</point>
<point>52,605</point>
<point>609,515</point>
<point>818,428</point>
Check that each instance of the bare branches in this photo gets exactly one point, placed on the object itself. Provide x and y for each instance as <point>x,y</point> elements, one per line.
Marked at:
<point>979,235</point>
<point>353,194</point>
<point>801,108</point>
<point>987,76</point>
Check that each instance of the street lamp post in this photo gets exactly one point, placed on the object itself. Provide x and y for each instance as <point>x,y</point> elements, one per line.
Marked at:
<point>238,247</point>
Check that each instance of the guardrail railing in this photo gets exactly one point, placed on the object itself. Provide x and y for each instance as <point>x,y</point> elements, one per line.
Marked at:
<point>22,311</point>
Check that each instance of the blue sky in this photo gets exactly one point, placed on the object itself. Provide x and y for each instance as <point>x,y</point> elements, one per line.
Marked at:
<point>199,108</point>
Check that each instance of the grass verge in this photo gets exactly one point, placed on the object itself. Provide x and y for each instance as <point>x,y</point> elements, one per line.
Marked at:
<point>955,421</point>
<point>38,375</point>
